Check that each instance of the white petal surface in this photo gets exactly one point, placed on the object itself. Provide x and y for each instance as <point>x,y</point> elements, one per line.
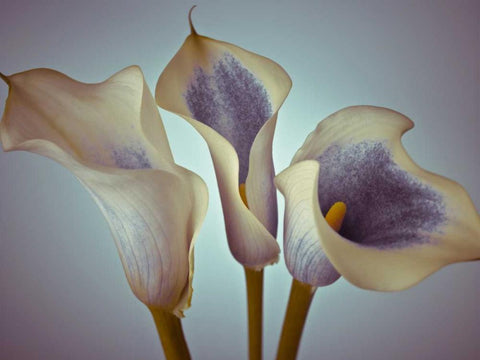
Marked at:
<point>402,222</point>
<point>109,123</point>
<point>232,96</point>
<point>99,132</point>
<point>304,255</point>
<point>250,242</point>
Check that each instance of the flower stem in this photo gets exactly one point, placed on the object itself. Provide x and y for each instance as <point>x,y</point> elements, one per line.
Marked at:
<point>254,281</point>
<point>301,296</point>
<point>171,335</point>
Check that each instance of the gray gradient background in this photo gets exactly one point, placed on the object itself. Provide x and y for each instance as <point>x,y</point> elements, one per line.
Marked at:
<point>63,294</point>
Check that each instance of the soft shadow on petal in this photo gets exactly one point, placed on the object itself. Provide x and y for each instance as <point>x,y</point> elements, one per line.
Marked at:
<point>114,123</point>
<point>303,252</point>
<point>402,223</point>
<point>249,241</point>
<point>260,191</point>
<point>154,207</point>
<point>232,96</point>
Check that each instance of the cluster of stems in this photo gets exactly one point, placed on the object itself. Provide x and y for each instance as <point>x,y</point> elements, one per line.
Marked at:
<point>170,328</point>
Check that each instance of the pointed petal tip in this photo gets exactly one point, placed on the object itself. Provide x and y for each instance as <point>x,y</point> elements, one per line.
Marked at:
<point>5,78</point>
<point>192,28</point>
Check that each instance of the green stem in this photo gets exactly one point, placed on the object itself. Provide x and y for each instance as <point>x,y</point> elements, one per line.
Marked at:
<point>301,296</point>
<point>254,281</point>
<point>171,335</point>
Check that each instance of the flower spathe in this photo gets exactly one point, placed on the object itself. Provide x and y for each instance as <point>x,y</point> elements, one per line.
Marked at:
<point>231,97</point>
<point>110,135</point>
<point>402,223</point>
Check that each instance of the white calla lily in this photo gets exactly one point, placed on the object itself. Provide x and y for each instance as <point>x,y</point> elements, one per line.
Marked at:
<point>231,97</point>
<point>110,135</point>
<point>402,223</point>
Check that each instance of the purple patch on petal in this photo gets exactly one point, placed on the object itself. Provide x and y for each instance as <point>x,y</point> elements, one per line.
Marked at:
<point>131,158</point>
<point>386,206</point>
<point>232,101</point>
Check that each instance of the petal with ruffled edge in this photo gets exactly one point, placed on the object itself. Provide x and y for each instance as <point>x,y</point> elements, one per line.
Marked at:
<point>110,135</point>
<point>231,96</point>
<point>402,223</point>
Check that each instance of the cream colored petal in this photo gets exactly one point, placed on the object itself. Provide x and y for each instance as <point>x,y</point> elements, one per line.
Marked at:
<point>154,213</point>
<point>249,241</point>
<point>402,222</point>
<point>303,252</point>
<point>114,123</point>
<point>232,96</point>
<point>260,189</point>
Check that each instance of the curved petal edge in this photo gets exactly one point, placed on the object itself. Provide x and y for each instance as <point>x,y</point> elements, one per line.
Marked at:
<point>304,256</point>
<point>98,131</point>
<point>402,223</point>
<point>232,96</point>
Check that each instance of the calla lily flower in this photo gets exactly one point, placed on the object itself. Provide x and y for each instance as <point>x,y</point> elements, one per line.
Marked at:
<point>110,135</point>
<point>402,223</point>
<point>231,96</point>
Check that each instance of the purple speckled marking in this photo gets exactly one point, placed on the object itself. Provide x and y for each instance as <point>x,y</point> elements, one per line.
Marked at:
<point>386,206</point>
<point>131,158</point>
<point>233,102</point>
